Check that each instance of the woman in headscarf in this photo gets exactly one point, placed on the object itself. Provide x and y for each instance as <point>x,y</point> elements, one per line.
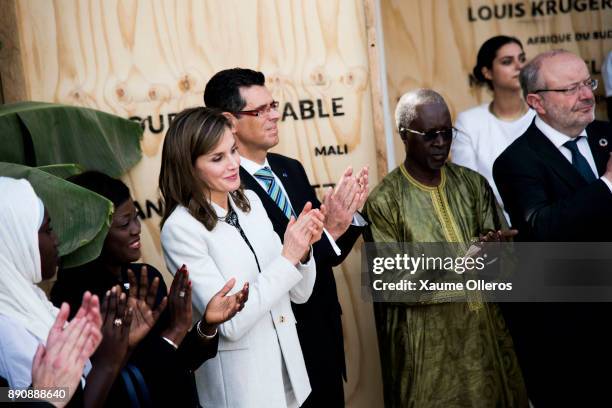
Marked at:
<point>29,254</point>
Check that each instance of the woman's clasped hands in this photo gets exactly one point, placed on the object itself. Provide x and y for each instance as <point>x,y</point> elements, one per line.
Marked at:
<point>302,233</point>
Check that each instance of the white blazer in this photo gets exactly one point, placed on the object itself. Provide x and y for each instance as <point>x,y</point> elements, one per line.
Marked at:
<point>261,341</point>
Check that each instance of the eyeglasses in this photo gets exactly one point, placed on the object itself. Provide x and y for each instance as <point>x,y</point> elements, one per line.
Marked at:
<point>447,134</point>
<point>264,110</point>
<point>572,90</point>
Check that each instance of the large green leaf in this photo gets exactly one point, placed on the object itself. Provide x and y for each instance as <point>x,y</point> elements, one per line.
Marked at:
<point>39,134</point>
<point>80,217</point>
<point>12,132</point>
<point>62,170</point>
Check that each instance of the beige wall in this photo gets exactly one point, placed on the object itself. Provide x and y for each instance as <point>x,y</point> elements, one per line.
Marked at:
<point>151,59</point>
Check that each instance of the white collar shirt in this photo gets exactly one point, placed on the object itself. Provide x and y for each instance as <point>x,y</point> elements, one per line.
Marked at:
<point>558,139</point>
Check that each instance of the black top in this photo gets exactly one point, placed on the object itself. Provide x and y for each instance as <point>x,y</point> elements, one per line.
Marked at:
<point>562,347</point>
<point>167,373</point>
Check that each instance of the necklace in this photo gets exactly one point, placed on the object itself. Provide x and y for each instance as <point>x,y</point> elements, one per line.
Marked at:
<point>523,111</point>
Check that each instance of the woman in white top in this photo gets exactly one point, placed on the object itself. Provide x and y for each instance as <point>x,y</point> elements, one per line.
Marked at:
<point>221,232</point>
<point>485,131</point>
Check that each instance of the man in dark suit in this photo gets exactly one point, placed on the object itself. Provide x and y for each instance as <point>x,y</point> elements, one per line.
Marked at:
<point>556,184</point>
<point>284,189</point>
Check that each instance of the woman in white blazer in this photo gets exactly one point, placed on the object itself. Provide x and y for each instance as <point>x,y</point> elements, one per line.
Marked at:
<point>221,232</point>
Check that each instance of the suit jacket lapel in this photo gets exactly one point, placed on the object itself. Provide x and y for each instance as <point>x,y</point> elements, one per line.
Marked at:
<point>601,153</point>
<point>555,160</point>
<point>295,197</point>
<point>274,213</point>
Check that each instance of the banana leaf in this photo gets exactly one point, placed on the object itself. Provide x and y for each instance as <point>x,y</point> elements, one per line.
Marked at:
<point>62,170</point>
<point>80,217</point>
<point>39,134</point>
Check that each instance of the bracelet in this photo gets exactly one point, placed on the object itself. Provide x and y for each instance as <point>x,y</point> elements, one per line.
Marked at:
<point>173,344</point>
<point>202,334</point>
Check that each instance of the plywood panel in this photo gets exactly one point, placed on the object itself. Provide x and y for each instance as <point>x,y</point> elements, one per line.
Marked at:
<point>12,79</point>
<point>434,44</point>
<point>148,60</point>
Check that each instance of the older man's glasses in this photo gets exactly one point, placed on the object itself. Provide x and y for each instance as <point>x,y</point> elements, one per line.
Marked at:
<point>430,136</point>
<point>261,111</point>
<point>574,89</point>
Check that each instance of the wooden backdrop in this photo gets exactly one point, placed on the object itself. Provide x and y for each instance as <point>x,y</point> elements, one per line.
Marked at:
<point>434,43</point>
<point>147,60</point>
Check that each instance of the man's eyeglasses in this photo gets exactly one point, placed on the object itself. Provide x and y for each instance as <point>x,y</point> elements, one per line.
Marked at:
<point>264,110</point>
<point>572,90</point>
<point>447,134</point>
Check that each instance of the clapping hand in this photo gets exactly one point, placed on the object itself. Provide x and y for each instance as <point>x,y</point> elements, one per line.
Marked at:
<point>141,300</point>
<point>90,310</point>
<point>490,236</point>
<point>61,361</point>
<point>302,233</point>
<point>223,307</point>
<point>498,236</point>
<point>117,319</point>
<point>317,221</point>
<point>342,202</point>
<point>179,304</point>
<point>363,184</point>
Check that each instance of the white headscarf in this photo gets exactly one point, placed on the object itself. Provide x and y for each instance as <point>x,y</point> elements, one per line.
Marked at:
<point>20,298</point>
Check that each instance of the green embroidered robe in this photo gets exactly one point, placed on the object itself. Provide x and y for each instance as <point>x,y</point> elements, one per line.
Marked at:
<point>442,354</point>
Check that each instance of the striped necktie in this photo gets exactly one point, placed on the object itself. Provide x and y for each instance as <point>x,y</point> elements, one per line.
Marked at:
<point>274,190</point>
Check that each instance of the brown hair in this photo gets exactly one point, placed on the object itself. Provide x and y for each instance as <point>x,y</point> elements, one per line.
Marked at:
<point>192,133</point>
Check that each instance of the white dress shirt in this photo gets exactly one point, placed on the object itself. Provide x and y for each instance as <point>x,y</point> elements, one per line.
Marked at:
<point>558,139</point>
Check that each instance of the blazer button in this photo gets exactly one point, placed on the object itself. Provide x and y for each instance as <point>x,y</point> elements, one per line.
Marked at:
<point>282,319</point>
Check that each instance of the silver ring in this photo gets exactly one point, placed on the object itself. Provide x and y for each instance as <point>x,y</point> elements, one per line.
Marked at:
<point>117,322</point>
<point>182,294</point>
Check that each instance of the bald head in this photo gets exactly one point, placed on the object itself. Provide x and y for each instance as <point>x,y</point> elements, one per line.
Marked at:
<point>406,110</point>
<point>530,76</point>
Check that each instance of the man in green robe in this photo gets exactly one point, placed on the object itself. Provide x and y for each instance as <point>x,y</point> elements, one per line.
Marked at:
<point>437,353</point>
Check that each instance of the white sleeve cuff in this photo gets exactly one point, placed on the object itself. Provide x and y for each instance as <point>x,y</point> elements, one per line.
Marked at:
<point>332,242</point>
<point>358,220</point>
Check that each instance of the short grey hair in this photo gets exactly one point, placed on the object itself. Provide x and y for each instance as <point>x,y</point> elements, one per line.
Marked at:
<point>405,112</point>
<point>530,74</point>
